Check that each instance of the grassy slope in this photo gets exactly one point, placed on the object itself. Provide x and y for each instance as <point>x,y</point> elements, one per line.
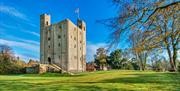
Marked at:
<point>95,81</point>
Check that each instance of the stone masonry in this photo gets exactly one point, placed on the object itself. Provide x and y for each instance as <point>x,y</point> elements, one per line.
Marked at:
<point>63,44</point>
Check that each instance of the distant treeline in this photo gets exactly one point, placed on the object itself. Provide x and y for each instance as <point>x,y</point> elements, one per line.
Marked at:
<point>126,60</point>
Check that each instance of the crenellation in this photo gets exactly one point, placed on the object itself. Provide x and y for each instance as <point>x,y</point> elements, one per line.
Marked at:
<point>63,44</point>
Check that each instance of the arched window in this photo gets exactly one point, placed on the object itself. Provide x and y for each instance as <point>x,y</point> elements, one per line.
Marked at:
<point>49,60</point>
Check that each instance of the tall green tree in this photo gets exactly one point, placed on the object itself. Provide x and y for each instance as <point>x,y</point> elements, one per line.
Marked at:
<point>115,59</point>
<point>101,58</point>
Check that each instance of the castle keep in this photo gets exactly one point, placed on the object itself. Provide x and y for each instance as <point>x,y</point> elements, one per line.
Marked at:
<point>63,44</point>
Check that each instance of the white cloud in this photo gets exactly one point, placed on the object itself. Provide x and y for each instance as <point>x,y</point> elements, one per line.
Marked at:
<point>24,45</point>
<point>33,33</point>
<point>20,29</point>
<point>17,12</point>
<point>8,36</point>
<point>8,26</point>
<point>29,41</point>
<point>178,55</point>
<point>28,46</point>
<point>12,11</point>
<point>25,57</point>
<point>91,50</point>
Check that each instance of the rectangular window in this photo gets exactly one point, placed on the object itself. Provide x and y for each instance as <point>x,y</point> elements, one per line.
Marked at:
<point>75,57</point>
<point>81,58</point>
<point>60,27</point>
<point>59,36</point>
<point>74,46</point>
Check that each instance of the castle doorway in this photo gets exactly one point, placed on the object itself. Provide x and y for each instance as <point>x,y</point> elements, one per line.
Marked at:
<point>49,60</point>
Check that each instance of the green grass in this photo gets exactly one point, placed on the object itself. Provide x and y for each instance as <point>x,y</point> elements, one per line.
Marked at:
<point>116,80</point>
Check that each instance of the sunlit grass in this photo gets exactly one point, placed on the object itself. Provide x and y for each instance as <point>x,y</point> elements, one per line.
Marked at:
<point>116,80</point>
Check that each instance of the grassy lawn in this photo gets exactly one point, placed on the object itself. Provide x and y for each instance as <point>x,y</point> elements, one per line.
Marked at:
<point>95,81</point>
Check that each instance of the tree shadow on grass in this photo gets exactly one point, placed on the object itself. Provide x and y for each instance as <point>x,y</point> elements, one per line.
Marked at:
<point>148,78</point>
<point>24,86</point>
<point>159,81</point>
<point>159,78</point>
<point>48,75</point>
<point>166,81</point>
<point>97,88</point>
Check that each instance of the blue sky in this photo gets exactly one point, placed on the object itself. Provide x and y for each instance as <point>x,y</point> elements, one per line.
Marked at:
<point>19,22</point>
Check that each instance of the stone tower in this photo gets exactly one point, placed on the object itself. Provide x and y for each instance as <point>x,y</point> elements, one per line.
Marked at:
<point>63,44</point>
<point>44,23</point>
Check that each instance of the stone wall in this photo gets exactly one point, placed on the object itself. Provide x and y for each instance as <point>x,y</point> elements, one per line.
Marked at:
<point>43,68</point>
<point>63,44</point>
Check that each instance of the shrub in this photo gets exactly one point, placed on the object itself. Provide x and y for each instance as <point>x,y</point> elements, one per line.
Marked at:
<point>9,66</point>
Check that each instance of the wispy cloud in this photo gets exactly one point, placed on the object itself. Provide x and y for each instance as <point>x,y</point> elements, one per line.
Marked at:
<point>33,33</point>
<point>7,26</point>
<point>91,50</point>
<point>11,37</point>
<point>24,48</point>
<point>23,45</point>
<point>12,11</point>
<point>26,58</point>
<point>178,55</point>
<point>11,27</point>
<point>28,41</point>
<point>17,12</point>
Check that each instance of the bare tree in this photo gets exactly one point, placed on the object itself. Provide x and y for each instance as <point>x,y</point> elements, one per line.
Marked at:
<point>6,51</point>
<point>140,47</point>
<point>157,21</point>
<point>169,33</point>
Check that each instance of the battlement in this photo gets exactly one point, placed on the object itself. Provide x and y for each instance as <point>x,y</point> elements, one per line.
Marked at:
<point>63,44</point>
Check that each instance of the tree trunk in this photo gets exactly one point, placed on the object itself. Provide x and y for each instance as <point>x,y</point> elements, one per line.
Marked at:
<point>139,61</point>
<point>170,58</point>
<point>174,56</point>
